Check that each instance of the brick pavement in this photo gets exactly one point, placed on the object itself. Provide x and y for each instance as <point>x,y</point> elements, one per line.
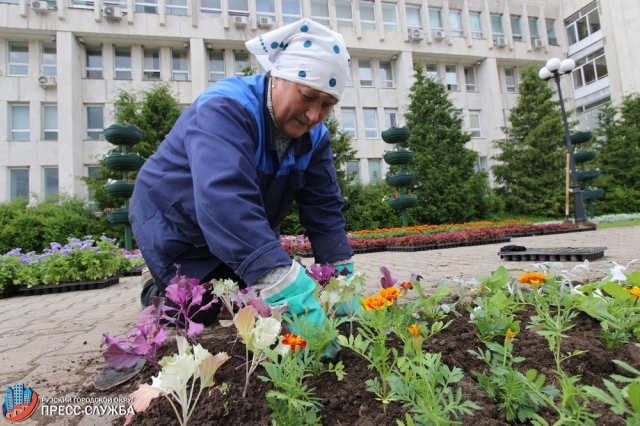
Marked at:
<point>51,342</point>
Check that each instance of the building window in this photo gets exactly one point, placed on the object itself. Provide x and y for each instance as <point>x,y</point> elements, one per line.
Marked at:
<point>239,7</point>
<point>516,29</point>
<point>151,67</point>
<point>435,20</point>
<point>266,9</point>
<point>176,7</point>
<point>375,171</point>
<point>95,122</point>
<point>146,6</point>
<point>470,79</point>
<point>82,4</point>
<point>353,171</point>
<point>320,11</point>
<point>476,25</point>
<point>533,29</point>
<point>19,122</point>
<point>390,118</point>
<point>122,69</point>
<point>93,65</point>
<point>49,59</point>
<point>240,63</point>
<point>582,24</point>
<point>344,14</point>
<point>19,181</point>
<point>49,122</point>
<point>18,58</point>
<point>587,115</point>
<point>50,181</point>
<point>432,72</point>
<point>216,66</point>
<point>93,172</point>
<point>120,3</point>
<point>474,124</point>
<point>451,77</point>
<point>511,80</point>
<point>481,164</point>
<point>211,8</point>
<point>366,76</point>
<point>367,15</point>
<point>348,121</point>
<point>386,74</point>
<point>291,11</point>
<point>389,17</point>
<point>370,123</point>
<point>414,22</point>
<point>496,27</point>
<point>179,65</point>
<point>589,69</point>
<point>551,32</point>
<point>349,79</point>
<point>455,19</point>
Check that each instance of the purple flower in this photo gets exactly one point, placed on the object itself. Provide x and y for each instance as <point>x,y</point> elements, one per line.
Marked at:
<point>387,280</point>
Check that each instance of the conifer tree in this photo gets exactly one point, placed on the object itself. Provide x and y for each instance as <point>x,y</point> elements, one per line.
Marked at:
<point>448,189</point>
<point>531,170</point>
<point>618,157</point>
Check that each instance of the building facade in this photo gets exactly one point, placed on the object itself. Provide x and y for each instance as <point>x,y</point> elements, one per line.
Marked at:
<point>62,63</point>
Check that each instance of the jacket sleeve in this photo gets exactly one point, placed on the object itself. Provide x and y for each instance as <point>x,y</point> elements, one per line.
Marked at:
<point>321,207</point>
<point>221,143</point>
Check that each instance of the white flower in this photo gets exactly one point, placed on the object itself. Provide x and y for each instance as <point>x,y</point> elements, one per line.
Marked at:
<point>265,333</point>
<point>618,273</point>
<point>224,286</point>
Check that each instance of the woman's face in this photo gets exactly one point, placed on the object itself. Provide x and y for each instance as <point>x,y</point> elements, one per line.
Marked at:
<point>297,108</point>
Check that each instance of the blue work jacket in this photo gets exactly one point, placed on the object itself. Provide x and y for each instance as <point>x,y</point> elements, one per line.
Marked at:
<point>216,191</point>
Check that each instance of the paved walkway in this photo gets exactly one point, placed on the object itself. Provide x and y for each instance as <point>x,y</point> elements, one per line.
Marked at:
<point>51,343</point>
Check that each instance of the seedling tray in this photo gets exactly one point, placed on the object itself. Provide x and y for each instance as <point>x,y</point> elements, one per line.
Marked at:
<point>557,254</point>
<point>63,288</point>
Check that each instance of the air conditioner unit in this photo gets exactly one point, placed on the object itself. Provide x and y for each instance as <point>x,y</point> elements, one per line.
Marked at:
<point>239,21</point>
<point>40,6</point>
<point>439,35</point>
<point>500,42</point>
<point>538,43</point>
<point>47,81</point>
<point>265,22</point>
<point>415,34</point>
<point>112,13</point>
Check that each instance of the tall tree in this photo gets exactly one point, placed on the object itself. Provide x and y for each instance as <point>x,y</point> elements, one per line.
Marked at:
<point>618,156</point>
<point>448,189</point>
<point>531,169</point>
<point>154,111</point>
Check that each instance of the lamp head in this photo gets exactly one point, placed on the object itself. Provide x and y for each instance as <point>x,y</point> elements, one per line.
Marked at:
<point>567,66</point>
<point>545,74</point>
<point>553,64</point>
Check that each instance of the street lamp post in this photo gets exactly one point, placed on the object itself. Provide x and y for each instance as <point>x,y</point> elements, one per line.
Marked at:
<point>554,69</point>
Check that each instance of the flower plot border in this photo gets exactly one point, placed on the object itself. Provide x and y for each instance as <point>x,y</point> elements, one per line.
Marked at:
<point>136,271</point>
<point>557,254</point>
<point>65,287</point>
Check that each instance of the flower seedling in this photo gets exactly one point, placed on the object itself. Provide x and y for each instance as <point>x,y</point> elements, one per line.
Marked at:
<point>177,379</point>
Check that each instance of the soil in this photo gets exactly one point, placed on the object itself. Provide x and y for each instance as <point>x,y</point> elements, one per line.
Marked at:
<point>347,402</point>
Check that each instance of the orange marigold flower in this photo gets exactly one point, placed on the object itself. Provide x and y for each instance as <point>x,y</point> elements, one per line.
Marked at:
<point>406,286</point>
<point>390,294</point>
<point>374,302</point>
<point>635,290</point>
<point>294,340</point>
<point>510,334</point>
<point>414,329</point>
<point>532,278</point>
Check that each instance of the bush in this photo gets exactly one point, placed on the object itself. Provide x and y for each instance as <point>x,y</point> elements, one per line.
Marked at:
<point>366,207</point>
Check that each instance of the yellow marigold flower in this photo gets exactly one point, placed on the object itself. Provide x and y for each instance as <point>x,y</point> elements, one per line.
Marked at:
<point>294,340</point>
<point>374,302</point>
<point>635,290</point>
<point>390,294</point>
<point>510,334</point>
<point>414,329</point>
<point>406,286</point>
<point>532,278</point>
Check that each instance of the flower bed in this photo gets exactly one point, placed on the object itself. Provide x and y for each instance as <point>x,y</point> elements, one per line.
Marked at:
<point>502,351</point>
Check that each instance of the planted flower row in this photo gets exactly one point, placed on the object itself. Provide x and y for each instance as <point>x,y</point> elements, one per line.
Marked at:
<point>78,260</point>
<point>406,374</point>
<point>300,245</point>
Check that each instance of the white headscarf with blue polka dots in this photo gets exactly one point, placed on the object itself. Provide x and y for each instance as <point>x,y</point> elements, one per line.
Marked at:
<point>307,53</point>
